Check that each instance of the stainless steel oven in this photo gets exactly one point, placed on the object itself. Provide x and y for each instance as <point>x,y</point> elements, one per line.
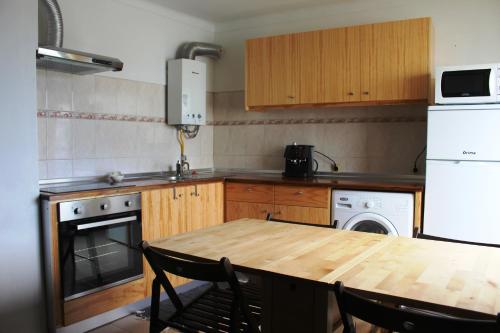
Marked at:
<point>98,243</point>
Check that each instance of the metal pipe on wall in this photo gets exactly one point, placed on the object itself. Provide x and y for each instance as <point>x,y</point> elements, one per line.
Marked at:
<point>55,28</point>
<point>192,49</point>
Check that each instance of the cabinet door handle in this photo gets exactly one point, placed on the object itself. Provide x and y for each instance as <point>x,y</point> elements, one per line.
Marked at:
<point>195,193</point>
<point>299,193</point>
<point>366,93</point>
<point>249,189</point>
<point>291,97</point>
<point>175,194</point>
<point>350,93</point>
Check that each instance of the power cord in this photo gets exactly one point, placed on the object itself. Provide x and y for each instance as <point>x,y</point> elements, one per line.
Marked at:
<point>415,169</point>
<point>335,167</point>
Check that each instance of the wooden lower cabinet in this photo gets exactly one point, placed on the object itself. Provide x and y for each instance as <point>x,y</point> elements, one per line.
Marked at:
<point>170,211</point>
<point>308,204</point>
<point>236,210</point>
<point>312,215</point>
<point>100,302</point>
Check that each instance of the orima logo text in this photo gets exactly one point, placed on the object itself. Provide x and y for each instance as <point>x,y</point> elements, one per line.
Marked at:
<point>465,152</point>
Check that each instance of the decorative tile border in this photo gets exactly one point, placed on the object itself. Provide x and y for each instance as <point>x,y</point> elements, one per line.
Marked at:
<point>320,121</point>
<point>98,116</point>
<point>303,121</point>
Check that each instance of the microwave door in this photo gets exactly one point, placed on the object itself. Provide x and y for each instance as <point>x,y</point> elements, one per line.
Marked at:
<point>467,84</point>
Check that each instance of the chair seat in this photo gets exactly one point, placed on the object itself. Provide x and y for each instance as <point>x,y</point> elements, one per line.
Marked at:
<point>210,312</point>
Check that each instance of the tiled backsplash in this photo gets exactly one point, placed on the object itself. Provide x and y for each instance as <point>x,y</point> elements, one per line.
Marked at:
<point>381,139</point>
<point>91,125</point>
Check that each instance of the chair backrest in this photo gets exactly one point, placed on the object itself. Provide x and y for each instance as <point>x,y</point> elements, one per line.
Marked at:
<point>400,320</point>
<point>442,239</point>
<point>221,271</point>
<point>269,217</point>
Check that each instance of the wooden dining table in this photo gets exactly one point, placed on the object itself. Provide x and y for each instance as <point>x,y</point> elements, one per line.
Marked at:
<point>299,264</point>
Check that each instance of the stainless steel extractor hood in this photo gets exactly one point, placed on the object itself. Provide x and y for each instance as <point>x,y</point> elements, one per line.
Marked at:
<point>50,53</point>
<point>75,62</point>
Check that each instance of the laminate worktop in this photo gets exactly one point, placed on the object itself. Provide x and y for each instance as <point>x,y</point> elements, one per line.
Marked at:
<point>455,278</point>
<point>354,182</point>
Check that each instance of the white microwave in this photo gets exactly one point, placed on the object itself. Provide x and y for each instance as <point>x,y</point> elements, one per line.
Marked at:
<point>471,84</point>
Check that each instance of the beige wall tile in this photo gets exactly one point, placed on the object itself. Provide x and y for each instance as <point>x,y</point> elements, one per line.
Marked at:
<point>42,138</point>
<point>42,170</point>
<point>84,138</point>
<point>59,169</point>
<point>59,139</point>
<point>59,95</point>
<point>106,95</point>
<point>151,100</point>
<point>84,167</point>
<point>41,89</point>
<point>116,139</point>
<point>126,97</point>
<point>84,93</point>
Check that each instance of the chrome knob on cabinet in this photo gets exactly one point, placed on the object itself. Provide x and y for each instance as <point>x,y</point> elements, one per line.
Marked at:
<point>104,206</point>
<point>128,203</point>
<point>78,210</point>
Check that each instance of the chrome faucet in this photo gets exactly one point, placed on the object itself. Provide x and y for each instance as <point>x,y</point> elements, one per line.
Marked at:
<point>184,165</point>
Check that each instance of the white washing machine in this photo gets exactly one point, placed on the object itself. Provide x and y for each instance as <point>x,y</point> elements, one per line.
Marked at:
<point>387,213</point>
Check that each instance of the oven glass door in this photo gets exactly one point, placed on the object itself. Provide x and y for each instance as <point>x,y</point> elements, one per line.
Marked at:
<point>99,253</point>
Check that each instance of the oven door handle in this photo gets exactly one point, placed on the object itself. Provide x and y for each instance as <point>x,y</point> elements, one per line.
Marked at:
<point>106,222</point>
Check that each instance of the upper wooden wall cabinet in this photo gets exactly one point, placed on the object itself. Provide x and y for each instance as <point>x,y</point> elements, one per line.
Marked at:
<point>383,63</point>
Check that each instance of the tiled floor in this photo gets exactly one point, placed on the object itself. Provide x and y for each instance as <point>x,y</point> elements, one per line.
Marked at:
<point>129,324</point>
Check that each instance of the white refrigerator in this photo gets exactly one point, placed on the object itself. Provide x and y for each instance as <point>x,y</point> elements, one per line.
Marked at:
<point>462,194</point>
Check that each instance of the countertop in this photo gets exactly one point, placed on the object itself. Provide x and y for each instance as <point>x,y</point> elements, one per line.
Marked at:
<point>396,183</point>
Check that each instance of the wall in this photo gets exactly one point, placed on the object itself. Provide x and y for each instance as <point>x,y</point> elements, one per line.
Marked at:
<point>92,125</point>
<point>21,300</point>
<point>371,139</point>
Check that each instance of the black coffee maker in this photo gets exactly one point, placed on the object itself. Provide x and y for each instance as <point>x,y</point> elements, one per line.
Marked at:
<point>299,161</point>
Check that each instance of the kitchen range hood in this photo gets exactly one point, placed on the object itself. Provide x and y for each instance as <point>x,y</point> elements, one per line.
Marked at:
<point>50,53</point>
<point>75,62</point>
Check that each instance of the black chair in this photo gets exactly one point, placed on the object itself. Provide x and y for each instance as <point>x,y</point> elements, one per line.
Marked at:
<point>269,217</point>
<point>436,238</point>
<point>216,310</point>
<point>401,320</point>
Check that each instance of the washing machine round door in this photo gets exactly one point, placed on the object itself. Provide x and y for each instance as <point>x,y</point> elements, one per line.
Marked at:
<point>370,222</point>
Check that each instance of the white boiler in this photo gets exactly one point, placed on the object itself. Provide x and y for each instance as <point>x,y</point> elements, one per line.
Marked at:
<point>186,92</point>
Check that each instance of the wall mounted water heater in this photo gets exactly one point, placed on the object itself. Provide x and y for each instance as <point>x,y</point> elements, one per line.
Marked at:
<point>187,92</point>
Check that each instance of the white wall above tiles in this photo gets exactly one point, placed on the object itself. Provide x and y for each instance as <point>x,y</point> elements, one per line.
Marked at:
<point>142,34</point>
<point>466,32</point>
<point>92,125</point>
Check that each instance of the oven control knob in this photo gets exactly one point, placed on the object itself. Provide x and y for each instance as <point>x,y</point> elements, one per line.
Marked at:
<point>369,204</point>
<point>128,203</point>
<point>77,211</point>
<point>104,206</point>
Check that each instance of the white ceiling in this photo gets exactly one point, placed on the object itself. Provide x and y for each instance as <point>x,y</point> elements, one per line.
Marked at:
<point>225,10</point>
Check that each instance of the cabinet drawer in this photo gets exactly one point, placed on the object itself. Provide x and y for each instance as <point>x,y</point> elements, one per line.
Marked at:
<point>237,210</point>
<point>248,192</point>
<point>302,196</point>
<point>311,215</point>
